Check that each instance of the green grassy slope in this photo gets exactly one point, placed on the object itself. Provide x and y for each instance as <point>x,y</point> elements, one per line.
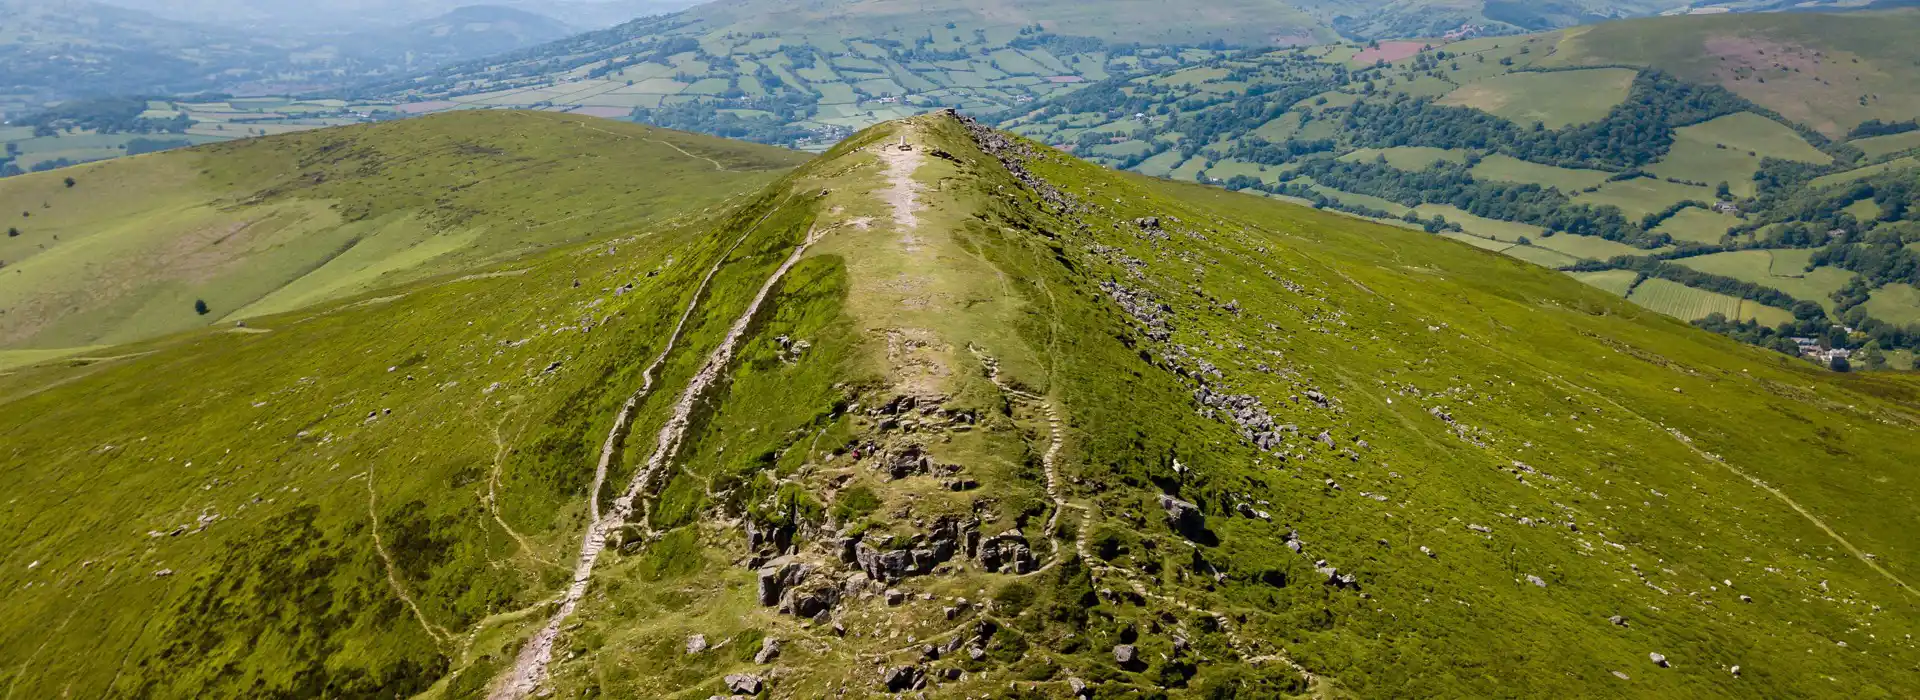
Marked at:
<point>386,495</point>
<point>273,224</point>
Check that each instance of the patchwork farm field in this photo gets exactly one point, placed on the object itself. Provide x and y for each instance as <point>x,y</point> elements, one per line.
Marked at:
<point>1408,157</point>
<point>1779,269</point>
<point>1687,303</point>
<point>1615,282</point>
<point>1505,168</point>
<point>1589,247</point>
<point>1698,225</point>
<point>1642,196</point>
<point>1899,303</point>
<point>1881,146</point>
<point>1554,100</point>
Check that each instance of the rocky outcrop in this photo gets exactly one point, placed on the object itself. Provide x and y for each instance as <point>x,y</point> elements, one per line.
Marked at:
<point>946,538</point>
<point>777,576</point>
<point>1013,154</point>
<point>744,683</point>
<point>811,603</point>
<point>1181,514</point>
<point>1246,411</point>
<point>1008,551</point>
<point>1143,307</point>
<point>900,679</point>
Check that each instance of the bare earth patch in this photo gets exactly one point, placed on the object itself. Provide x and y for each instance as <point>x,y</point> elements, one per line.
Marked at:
<point>1388,51</point>
<point>1801,83</point>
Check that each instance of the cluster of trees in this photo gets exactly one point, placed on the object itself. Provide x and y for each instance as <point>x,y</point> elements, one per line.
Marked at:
<point>709,117</point>
<point>1635,133</point>
<point>1453,184</point>
<point>1875,127</point>
<point>1881,262</point>
<point>658,52</point>
<point>106,115</point>
<point>1652,221</point>
<point>1792,213</point>
<point>1254,149</point>
<point>1060,44</point>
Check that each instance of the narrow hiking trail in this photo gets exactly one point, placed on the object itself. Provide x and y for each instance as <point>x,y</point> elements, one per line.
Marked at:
<point>1757,483</point>
<point>903,192</point>
<point>622,423</point>
<point>393,578</point>
<point>716,164</point>
<point>492,498</point>
<point>530,667</point>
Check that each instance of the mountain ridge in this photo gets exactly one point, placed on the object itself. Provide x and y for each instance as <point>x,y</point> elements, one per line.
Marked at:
<point>1066,428</point>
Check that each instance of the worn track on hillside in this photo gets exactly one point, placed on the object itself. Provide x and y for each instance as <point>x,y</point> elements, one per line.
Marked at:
<point>530,666</point>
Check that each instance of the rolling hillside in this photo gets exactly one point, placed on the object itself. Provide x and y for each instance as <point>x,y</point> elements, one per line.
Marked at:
<point>1605,147</point>
<point>133,248</point>
<point>969,417</point>
<point>809,73</point>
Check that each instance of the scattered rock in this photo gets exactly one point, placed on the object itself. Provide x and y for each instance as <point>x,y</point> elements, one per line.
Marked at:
<point>696,643</point>
<point>1537,581</point>
<point>1125,654</point>
<point>1181,514</point>
<point>744,683</point>
<point>1658,659</point>
<point>1618,620</point>
<point>1339,580</point>
<point>895,597</point>
<point>769,650</point>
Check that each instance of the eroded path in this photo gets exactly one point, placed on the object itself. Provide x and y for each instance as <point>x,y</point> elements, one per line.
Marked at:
<point>393,578</point>
<point>902,192</point>
<point>530,667</point>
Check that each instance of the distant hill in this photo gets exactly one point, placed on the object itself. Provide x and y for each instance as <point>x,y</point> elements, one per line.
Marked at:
<point>127,249</point>
<point>968,419</point>
<point>336,17</point>
<point>51,49</point>
<point>55,50</point>
<point>1828,71</point>
<point>464,33</point>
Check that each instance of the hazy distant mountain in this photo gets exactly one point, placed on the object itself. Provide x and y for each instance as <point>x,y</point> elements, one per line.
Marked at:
<point>353,16</point>
<point>464,33</point>
<point>69,47</point>
<point>52,50</point>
